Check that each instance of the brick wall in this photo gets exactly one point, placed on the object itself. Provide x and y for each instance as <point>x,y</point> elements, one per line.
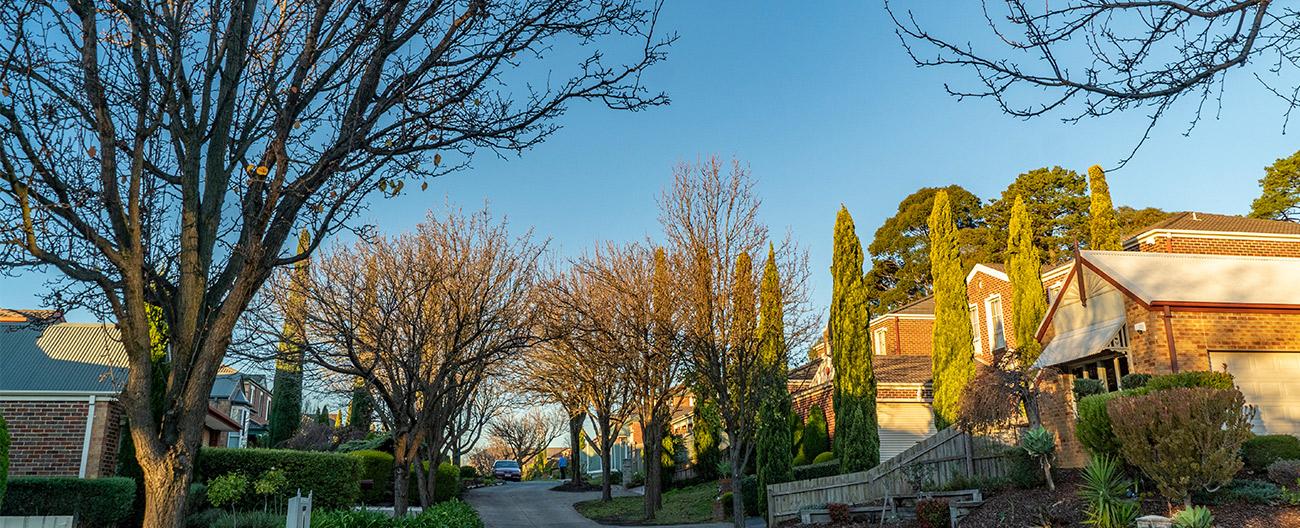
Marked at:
<point>819,395</point>
<point>904,335</point>
<point>1222,246</point>
<point>45,436</point>
<point>981,287</point>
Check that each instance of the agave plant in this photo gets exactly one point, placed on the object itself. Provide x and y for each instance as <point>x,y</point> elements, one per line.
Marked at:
<point>1194,517</point>
<point>1040,444</point>
<point>1105,489</point>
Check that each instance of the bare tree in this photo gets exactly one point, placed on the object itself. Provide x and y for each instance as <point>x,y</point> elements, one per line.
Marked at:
<point>160,153</point>
<point>552,376</point>
<point>1096,57</point>
<point>524,436</point>
<point>487,401</point>
<point>423,318</point>
<point>711,219</point>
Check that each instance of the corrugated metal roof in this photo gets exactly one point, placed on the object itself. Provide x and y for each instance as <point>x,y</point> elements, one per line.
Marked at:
<point>1211,279</point>
<point>64,357</point>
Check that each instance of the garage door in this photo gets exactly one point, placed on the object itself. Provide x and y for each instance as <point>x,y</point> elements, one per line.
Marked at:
<point>1268,380</point>
<point>902,424</point>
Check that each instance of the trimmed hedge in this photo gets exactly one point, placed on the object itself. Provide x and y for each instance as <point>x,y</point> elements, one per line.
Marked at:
<point>825,469</point>
<point>1191,379</point>
<point>446,484</point>
<point>450,514</point>
<point>1134,381</point>
<point>1260,451</point>
<point>824,457</point>
<point>331,477</point>
<point>377,467</point>
<point>95,502</point>
<point>1084,387</point>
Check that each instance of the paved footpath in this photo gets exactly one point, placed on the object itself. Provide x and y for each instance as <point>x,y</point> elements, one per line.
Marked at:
<point>534,505</point>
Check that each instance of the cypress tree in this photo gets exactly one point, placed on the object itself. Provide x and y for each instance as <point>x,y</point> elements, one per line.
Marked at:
<point>361,408</point>
<point>952,353</point>
<point>816,439</point>
<point>1104,225</point>
<point>857,439</point>
<point>1028,299</point>
<point>705,435</point>
<point>774,411</point>
<point>286,402</point>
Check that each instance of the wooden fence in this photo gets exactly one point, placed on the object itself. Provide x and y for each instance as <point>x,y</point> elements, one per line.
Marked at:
<point>936,460</point>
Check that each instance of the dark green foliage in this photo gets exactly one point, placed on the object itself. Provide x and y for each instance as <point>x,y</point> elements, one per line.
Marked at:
<point>286,406</point>
<point>796,434</point>
<point>1084,387</point>
<point>95,502</point>
<point>800,460</point>
<point>361,409</point>
<point>728,505</point>
<point>1247,491</point>
<point>825,469</point>
<point>374,442</point>
<point>1057,200</point>
<point>772,440</point>
<point>450,514</point>
<point>932,513</point>
<point>1134,381</point>
<point>243,519</point>
<point>1103,223</point>
<point>1285,472</point>
<point>816,439</point>
<point>332,477</point>
<point>857,438</point>
<point>468,472</point>
<point>377,467</point>
<point>952,349</point>
<point>707,432</point>
<point>1189,379</point>
<point>1105,489</point>
<point>1025,471</point>
<point>446,484</point>
<point>196,500</point>
<point>751,491</point>
<point>900,248</point>
<point>1279,197</point>
<point>4,457</point>
<point>825,456</point>
<point>1131,220</point>
<point>1093,425</point>
<point>985,484</point>
<point>1260,451</point>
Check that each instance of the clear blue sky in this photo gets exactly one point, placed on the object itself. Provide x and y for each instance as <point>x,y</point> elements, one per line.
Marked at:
<point>825,107</point>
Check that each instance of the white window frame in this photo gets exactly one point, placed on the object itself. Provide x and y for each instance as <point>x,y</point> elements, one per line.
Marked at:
<point>880,340</point>
<point>975,328</point>
<point>988,309</point>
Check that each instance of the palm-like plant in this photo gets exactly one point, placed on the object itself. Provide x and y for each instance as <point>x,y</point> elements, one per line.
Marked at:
<point>1194,517</point>
<point>1105,489</point>
<point>1040,444</point>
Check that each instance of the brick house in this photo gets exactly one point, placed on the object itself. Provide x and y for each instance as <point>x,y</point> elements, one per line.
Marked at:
<point>1123,312</point>
<point>59,395</point>
<point>244,399</point>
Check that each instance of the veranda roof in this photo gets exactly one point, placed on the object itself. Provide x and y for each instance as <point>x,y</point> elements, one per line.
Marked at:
<point>1079,343</point>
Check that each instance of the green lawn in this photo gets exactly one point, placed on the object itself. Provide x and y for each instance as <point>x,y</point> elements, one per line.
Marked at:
<point>692,504</point>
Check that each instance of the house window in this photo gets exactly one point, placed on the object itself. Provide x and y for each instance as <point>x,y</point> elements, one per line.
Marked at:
<point>975,328</point>
<point>881,341</point>
<point>997,334</point>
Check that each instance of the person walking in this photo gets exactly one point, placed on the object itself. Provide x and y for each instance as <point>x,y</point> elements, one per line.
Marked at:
<point>563,464</point>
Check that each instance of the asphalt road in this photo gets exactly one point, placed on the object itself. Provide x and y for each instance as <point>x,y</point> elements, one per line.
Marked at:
<point>534,505</point>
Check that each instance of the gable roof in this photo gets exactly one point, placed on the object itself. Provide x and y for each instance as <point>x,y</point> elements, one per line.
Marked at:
<point>1216,223</point>
<point>63,357</point>
<point>922,306</point>
<point>901,369</point>
<point>1162,278</point>
<point>35,316</point>
<point>992,269</point>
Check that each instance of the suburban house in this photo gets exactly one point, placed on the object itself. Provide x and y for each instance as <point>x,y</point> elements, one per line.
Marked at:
<point>59,395</point>
<point>901,362</point>
<point>243,398</point>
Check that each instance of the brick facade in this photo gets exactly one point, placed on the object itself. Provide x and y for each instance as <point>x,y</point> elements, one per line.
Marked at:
<point>903,334</point>
<point>980,290</point>
<point>46,437</point>
<point>1221,246</point>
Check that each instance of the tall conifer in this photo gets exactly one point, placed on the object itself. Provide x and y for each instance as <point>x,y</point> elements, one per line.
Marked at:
<point>952,353</point>
<point>1104,225</point>
<point>774,437</point>
<point>1028,299</point>
<point>857,439</point>
<point>286,400</point>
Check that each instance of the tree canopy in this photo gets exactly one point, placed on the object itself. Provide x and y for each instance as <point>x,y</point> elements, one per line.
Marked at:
<point>1057,201</point>
<point>1279,197</point>
<point>900,254</point>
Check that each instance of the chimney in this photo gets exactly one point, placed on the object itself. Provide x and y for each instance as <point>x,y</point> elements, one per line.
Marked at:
<point>1195,218</point>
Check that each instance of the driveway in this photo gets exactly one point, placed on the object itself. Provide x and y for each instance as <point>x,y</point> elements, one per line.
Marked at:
<point>534,505</point>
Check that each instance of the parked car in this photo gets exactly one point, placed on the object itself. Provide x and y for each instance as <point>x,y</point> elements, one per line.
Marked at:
<point>507,470</point>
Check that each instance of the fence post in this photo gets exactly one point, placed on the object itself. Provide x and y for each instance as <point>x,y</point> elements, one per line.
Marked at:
<point>970,455</point>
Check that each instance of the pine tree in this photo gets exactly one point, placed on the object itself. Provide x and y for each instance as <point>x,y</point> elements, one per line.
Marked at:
<point>1028,299</point>
<point>952,353</point>
<point>1104,224</point>
<point>286,401</point>
<point>774,411</point>
<point>857,439</point>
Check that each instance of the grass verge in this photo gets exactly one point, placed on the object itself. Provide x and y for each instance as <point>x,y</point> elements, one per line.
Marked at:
<point>693,504</point>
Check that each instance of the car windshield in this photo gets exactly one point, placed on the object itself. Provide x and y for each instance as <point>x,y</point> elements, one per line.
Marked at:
<point>506,464</point>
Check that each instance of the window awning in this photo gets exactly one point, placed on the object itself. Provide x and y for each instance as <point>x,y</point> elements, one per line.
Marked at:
<point>1079,343</point>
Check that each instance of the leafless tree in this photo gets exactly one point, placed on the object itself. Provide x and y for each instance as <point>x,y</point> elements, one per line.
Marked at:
<point>710,217</point>
<point>552,376</point>
<point>524,436</point>
<point>487,401</point>
<point>1096,57</point>
<point>423,318</point>
<point>160,153</point>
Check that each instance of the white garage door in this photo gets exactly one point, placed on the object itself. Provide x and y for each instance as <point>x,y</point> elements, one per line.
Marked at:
<point>1269,381</point>
<point>902,424</point>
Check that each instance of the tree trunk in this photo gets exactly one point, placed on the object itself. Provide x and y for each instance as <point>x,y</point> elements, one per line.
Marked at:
<point>606,460</point>
<point>401,474</point>
<point>1047,474</point>
<point>653,471</point>
<point>737,494</point>
<point>166,482</point>
<point>575,440</point>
